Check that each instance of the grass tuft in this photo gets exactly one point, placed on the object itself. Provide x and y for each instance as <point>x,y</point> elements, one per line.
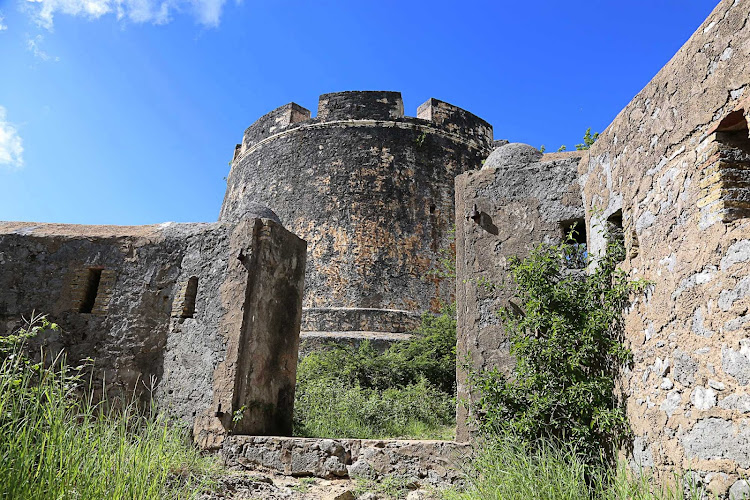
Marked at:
<point>56,444</point>
<point>509,468</point>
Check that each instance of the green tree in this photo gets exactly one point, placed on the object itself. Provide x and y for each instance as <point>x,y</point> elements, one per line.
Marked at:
<point>566,337</point>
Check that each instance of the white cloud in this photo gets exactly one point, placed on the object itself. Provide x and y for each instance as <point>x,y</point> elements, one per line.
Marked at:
<point>3,26</point>
<point>11,145</point>
<point>35,46</point>
<point>206,12</point>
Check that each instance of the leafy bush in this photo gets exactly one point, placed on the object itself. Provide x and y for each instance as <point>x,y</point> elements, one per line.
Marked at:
<point>566,338</point>
<point>406,391</point>
<point>53,444</point>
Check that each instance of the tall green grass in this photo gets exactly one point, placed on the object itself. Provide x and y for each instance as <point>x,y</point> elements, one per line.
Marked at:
<point>408,391</point>
<point>508,468</point>
<point>55,444</point>
<point>327,407</point>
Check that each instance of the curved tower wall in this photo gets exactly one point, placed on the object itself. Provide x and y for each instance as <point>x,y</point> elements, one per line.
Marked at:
<point>372,193</point>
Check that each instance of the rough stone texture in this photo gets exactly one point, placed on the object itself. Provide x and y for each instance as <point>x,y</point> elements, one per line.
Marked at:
<point>716,438</point>
<point>674,167</point>
<point>372,193</point>
<point>321,341</point>
<point>349,327</point>
<point>359,319</point>
<point>517,206</point>
<point>232,340</point>
<point>434,463</point>
<point>740,490</point>
<point>512,154</point>
<point>675,162</point>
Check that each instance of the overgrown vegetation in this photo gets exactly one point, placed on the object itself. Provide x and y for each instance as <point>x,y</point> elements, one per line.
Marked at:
<point>588,140</point>
<point>56,444</point>
<point>406,391</point>
<point>565,334</point>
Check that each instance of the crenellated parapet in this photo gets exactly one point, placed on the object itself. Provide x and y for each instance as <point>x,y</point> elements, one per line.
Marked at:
<point>370,109</point>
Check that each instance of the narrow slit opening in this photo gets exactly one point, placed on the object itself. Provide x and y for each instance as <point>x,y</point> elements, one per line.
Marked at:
<point>615,234</point>
<point>191,293</point>
<point>729,176</point>
<point>92,289</point>
<point>614,226</point>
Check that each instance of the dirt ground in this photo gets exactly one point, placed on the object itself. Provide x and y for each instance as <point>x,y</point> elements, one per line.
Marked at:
<point>267,485</point>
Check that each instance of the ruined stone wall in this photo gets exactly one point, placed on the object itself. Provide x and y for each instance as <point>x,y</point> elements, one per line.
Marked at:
<point>675,161</point>
<point>372,193</point>
<point>518,199</point>
<point>168,311</point>
<point>423,463</point>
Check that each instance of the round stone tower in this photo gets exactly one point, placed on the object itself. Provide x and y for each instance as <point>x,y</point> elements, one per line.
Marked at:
<point>372,193</point>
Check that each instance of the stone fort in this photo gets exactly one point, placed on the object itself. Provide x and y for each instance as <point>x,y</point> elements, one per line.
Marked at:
<point>330,228</point>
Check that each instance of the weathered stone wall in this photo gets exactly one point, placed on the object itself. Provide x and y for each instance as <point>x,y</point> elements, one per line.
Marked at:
<point>346,326</point>
<point>372,193</point>
<point>168,311</point>
<point>518,199</point>
<point>424,463</point>
<point>675,162</point>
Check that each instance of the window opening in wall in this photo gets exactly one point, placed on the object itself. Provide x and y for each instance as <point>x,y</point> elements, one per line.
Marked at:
<point>574,233</point>
<point>733,131</point>
<point>616,233</point>
<point>92,289</point>
<point>726,170</point>
<point>191,292</point>
<point>735,167</point>
<point>614,226</point>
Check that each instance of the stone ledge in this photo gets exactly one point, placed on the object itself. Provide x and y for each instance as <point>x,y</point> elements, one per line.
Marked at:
<point>426,462</point>
<point>320,341</point>
<point>353,319</point>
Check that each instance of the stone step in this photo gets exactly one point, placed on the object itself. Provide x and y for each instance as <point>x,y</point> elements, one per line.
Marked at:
<point>319,341</point>
<point>340,319</point>
<point>426,463</point>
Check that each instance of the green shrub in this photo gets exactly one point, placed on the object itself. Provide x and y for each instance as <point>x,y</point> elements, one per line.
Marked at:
<point>54,444</point>
<point>588,140</point>
<point>406,391</point>
<point>566,338</point>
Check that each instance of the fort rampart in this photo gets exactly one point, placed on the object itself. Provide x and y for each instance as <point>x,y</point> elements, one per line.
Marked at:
<point>371,191</point>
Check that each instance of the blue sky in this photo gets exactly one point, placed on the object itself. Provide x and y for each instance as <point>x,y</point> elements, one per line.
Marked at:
<point>127,111</point>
